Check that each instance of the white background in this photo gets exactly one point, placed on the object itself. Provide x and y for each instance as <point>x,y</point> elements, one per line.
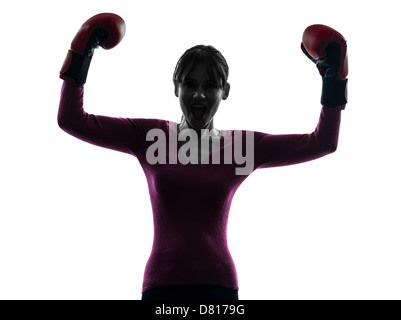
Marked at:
<point>76,220</point>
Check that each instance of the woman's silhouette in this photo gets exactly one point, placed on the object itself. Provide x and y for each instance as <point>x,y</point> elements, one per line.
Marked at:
<point>190,200</point>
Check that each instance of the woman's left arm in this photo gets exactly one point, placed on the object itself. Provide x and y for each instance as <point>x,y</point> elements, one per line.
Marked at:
<point>326,48</point>
<point>287,149</point>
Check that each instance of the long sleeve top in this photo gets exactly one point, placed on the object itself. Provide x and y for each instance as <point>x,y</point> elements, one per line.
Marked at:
<point>191,201</point>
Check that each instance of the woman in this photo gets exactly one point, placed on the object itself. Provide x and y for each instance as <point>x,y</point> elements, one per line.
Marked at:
<point>191,187</point>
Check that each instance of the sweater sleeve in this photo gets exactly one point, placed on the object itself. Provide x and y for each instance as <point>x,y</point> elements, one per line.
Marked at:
<point>120,134</point>
<point>281,150</point>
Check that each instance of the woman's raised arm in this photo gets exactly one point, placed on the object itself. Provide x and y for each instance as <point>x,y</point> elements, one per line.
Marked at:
<point>119,134</point>
<point>328,50</point>
<point>105,30</point>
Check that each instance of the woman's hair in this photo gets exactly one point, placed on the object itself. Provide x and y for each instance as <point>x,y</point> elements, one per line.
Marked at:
<point>209,56</point>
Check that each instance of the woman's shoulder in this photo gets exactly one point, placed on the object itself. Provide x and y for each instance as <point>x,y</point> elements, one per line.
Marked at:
<point>149,123</point>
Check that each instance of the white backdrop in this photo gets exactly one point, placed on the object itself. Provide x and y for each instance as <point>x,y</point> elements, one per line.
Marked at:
<point>76,220</point>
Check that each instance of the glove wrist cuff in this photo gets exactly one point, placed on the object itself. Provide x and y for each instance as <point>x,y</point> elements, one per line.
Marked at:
<point>77,68</point>
<point>334,92</point>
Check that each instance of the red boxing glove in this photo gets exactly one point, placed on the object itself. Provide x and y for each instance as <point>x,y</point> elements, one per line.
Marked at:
<point>105,30</point>
<point>327,48</point>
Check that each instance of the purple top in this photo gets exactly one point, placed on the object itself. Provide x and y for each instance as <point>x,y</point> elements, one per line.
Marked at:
<point>191,202</point>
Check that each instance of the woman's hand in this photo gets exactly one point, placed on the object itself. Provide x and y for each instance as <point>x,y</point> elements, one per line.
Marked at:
<point>105,30</point>
<point>327,48</point>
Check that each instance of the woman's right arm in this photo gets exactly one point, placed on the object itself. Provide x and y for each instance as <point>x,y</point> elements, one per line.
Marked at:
<point>119,134</point>
<point>105,30</point>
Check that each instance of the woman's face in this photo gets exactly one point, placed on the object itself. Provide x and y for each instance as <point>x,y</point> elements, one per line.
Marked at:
<point>200,96</point>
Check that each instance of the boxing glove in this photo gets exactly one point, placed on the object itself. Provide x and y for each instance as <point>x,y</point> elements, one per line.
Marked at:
<point>327,48</point>
<point>105,30</point>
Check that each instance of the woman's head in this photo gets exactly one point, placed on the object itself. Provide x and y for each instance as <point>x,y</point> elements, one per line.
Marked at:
<point>209,56</point>
<point>200,81</point>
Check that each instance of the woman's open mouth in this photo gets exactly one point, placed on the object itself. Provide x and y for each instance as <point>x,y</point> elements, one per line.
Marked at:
<point>198,111</point>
